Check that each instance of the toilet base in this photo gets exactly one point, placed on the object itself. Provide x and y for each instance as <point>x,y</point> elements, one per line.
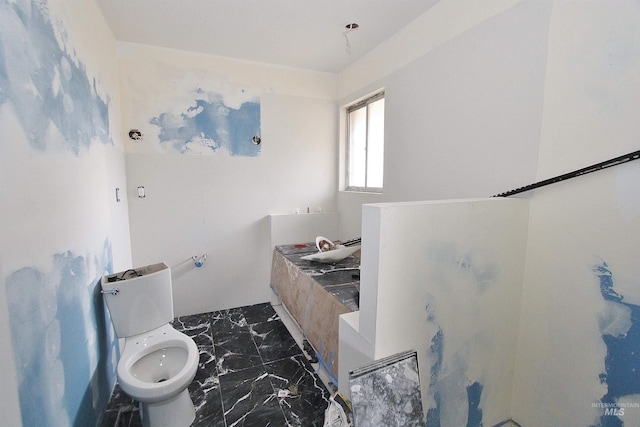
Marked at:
<point>175,412</point>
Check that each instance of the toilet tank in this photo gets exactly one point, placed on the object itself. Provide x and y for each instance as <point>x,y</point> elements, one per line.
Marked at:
<point>139,299</point>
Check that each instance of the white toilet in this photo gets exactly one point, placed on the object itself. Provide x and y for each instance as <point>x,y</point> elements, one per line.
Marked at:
<point>158,363</point>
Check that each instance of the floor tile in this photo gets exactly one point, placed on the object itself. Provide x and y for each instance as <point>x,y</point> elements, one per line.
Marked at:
<point>205,391</point>
<point>303,397</point>
<point>235,351</point>
<point>259,313</point>
<point>247,355</point>
<point>273,341</point>
<point>197,327</point>
<point>249,399</point>
<point>227,319</point>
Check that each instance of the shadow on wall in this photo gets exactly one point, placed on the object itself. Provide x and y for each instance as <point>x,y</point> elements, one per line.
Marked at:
<point>96,397</point>
<point>63,349</point>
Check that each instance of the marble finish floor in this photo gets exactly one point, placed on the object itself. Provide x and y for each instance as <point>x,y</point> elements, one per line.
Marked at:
<point>251,373</point>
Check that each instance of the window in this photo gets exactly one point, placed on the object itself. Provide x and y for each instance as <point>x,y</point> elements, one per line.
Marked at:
<point>365,144</point>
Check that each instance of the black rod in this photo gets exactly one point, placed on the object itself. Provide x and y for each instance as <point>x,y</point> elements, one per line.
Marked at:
<point>593,168</point>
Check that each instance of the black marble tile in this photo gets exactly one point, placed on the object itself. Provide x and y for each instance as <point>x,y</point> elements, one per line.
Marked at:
<point>337,276</point>
<point>122,410</point>
<point>232,342</point>
<point>227,320</point>
<point>344,272</point>
<point>248,399</point>
<point>273,340</point>
<point>347,294</point>
<point>119,398</point>
<point>259,313</point>
<point>109,418</point>
<point>117,418</point>
<point>295,255</point>
<point>233,386</point>
<point>205,391</point>
<point>303,397</point>
<point>124,417</point>
<point>196,326</point>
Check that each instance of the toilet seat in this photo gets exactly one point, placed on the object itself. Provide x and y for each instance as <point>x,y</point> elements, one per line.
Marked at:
<point>139,346</point>
<point>156,366</point>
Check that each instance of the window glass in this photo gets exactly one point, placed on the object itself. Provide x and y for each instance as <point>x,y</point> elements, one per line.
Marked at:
<point>365,145</point>
<point>375,144</point>
<point>357,147</point>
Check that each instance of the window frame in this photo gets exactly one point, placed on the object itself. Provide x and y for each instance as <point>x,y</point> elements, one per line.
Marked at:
<point>363,103</point>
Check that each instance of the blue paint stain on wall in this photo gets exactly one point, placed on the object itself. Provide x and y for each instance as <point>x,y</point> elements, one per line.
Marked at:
<point>61,337</point>
<point>436,353</point>
<point>474,394</point>
<point>44,83</point>
<point>59,330</point>
<point>473,391</point>
<point>210,125</point>
<point>622,362</point>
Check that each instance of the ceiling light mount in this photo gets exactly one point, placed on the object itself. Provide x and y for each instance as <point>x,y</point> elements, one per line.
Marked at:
<point>348,28</point>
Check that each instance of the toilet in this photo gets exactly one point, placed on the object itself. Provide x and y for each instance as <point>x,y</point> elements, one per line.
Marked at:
<point>158,363</point>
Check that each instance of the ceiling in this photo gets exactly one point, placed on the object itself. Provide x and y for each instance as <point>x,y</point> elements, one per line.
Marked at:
<point>306,34</point>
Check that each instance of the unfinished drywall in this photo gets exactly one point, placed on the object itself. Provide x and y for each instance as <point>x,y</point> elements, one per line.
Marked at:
<point>202,197</point>
<point>61,161</point>
<point>445,279</point>
<point>578,358</point>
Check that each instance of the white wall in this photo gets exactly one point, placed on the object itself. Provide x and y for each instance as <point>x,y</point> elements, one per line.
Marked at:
<point>302,228</point>
<point>579,328</point>
<point>216,203</point>
<point>61,159</point>
<point>571,103</point>
<point>445,279</point>
<point>463,117</point>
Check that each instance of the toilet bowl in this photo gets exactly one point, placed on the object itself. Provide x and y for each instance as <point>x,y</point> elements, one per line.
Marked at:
<point>158,363</point>
<point>155,369</point>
